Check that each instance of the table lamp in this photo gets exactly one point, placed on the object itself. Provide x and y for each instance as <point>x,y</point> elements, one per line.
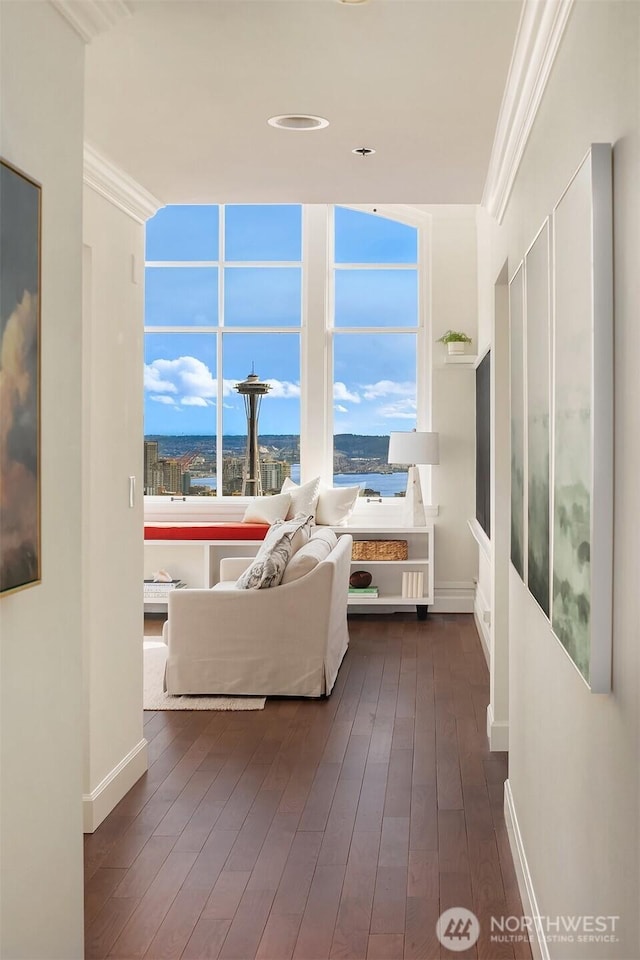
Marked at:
<point>412,448</point>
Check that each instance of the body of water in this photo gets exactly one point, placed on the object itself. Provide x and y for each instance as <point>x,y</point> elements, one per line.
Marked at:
<point>387,484</point>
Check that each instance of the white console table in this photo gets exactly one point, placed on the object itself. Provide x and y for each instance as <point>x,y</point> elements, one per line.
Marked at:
<point>197,562</point>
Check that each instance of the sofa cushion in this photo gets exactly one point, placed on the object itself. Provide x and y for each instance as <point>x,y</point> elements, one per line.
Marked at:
<point>306,559</point>
<point>271,559</point>
<point>222,530</point>
<point>304,498</point>
<point>324,533</point>
<point>268,509</point>
<point>335,505</point>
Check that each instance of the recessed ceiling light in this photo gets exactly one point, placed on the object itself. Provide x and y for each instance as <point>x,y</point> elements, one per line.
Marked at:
<point>353,1</point>
<point>298,121</point>
<point>363,151</point>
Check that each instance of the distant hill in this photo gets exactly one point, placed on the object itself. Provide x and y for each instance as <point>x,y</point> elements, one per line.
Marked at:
<point>355,445</point>
<point>349,445</point>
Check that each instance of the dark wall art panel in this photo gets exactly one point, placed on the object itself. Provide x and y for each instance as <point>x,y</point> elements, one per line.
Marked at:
<point>483,444</point>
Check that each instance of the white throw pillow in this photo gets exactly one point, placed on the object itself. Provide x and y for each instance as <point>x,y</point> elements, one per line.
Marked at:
<point>335,505</point>
<point>303,498</point>
<point>267,509</point>
<point>273,555</point>
<point>302,535</point>
<point>306,559</point>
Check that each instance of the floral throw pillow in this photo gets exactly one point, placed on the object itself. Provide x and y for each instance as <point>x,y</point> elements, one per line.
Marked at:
<point>271,559</point>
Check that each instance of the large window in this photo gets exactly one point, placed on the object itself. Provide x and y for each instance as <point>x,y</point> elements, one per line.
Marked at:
<point>234,289</point>
<point>223,298</point>
<point>376,315</point>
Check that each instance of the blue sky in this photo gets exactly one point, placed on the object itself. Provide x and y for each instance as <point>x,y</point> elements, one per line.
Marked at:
<point>374,387</point>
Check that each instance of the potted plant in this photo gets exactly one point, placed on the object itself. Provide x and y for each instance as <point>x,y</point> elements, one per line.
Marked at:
<point>455,341</point>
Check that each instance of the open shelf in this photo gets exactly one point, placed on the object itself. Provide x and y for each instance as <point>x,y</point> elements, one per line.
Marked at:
<point>389,600</point>
<point>467,359</point>
<point>386,563</point>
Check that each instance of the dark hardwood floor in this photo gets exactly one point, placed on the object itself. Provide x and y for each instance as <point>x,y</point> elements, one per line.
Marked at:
<point>338,828</point>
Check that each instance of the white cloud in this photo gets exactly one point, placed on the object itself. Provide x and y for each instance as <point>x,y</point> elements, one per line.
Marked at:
<point>284,388</point>
<point>185,375</point>
<point>340,409</point>
<point>191,380</point>
<point>162,398</point>
<point>341,392</point>
<point>400,409</point>
<point>153,381</point>
<point>389,388</point>
<point>227,387</point>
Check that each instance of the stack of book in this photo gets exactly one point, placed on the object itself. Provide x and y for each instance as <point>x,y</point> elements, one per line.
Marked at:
<point>371,591</point>
<point>158,591</point>
<point>413,584</point>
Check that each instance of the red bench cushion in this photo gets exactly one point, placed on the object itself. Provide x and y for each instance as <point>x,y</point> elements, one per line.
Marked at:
<point>206,531</point>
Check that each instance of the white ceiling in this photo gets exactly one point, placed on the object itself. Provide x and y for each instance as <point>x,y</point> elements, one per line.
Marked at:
<point>179,94</point>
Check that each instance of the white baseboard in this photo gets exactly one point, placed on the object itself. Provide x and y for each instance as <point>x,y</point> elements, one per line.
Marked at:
<point>497,731</point>
<point>539,946</point>
<point>110,791</point>
<point>453,596</point>
<point>481,611</point>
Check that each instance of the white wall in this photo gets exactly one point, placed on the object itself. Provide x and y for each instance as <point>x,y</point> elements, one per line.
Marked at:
<point>41,110</point>
<point>115,750</point>
<point>484,226</point>
<point>454,306</point>
<point>573,765</point>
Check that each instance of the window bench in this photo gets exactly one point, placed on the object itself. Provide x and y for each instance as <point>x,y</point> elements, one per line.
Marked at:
<point>220,530</point>
<point>192,551</point>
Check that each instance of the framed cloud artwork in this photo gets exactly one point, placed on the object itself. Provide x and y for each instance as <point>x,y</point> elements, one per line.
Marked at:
<point>537,311</point>
<point>516,348</point>
<point>20,221</point>
<point>582,383</point>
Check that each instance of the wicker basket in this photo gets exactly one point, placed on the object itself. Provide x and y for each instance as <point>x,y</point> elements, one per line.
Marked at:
<point>379,550</point>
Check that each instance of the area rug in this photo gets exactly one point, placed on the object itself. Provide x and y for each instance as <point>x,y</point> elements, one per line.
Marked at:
<point>154,697</point>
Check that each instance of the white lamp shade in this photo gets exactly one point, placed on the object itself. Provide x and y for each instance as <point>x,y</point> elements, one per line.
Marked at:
<point>413,447</point>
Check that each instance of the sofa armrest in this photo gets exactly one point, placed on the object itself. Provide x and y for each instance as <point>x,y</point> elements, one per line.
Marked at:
<point>232,567</point>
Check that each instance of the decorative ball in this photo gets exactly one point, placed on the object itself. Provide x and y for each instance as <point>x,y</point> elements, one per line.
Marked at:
<point>360,578</point>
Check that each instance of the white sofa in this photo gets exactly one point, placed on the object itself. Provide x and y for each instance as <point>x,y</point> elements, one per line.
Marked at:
<point>288,640</point>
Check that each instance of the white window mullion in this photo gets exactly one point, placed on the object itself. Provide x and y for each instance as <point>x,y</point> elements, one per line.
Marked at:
<point>233,264</point>
<point>207,264</point>
<point>375,266</point>
<point>315,436</point>
<point>219,356</point>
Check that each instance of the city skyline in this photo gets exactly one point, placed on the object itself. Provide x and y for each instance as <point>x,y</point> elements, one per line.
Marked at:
<point>187,464</point>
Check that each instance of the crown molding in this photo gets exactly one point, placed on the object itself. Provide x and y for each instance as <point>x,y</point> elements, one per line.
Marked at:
<point>542,25</point>
<point>89,18</point>
<point>118,187</point>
